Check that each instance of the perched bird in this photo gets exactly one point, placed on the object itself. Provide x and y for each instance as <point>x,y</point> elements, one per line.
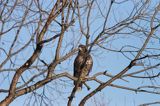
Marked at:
<point>82,65</point>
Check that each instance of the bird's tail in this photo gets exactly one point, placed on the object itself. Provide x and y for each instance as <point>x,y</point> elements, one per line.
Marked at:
<point>79,88</point>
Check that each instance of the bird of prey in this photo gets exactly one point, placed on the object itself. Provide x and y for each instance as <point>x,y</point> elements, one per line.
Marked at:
<point>82,65</point>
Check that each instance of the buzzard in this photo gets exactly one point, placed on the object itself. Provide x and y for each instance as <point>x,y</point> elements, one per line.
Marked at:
<point>82,65</point>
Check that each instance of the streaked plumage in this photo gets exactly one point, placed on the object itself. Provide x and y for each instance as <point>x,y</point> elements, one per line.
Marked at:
<point>82,64</point>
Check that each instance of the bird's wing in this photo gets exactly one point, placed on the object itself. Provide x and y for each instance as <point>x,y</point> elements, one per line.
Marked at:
<point>77,65</point>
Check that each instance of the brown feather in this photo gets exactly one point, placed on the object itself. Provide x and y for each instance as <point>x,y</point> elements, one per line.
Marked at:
<point>82,65</point>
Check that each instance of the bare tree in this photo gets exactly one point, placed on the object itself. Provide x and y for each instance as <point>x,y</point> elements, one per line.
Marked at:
<point>39,40</point>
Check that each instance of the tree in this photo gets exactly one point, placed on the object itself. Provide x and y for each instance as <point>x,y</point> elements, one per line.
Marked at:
<point>39,40</point>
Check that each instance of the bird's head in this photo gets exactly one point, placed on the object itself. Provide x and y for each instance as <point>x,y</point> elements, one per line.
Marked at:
<point>82,48</point>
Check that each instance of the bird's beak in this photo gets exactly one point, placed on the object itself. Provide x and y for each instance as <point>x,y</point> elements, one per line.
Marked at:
<point>80,49</point>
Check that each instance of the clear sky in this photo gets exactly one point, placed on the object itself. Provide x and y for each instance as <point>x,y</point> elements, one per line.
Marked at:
<point>104,60</point>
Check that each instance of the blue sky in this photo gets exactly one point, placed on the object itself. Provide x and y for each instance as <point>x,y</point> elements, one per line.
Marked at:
<point>103,59</point>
